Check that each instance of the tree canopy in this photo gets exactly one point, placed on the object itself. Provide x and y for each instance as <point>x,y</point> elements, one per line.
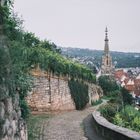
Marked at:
<point>108,84</point>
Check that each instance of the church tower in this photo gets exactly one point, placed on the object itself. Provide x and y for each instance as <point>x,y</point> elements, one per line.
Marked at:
<point>106,67</point>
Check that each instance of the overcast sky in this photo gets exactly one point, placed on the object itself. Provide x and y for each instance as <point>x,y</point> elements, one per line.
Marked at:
<point>81,23</point>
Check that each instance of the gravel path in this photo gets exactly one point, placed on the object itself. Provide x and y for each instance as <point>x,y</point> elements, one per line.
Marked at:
<point>70,126</point>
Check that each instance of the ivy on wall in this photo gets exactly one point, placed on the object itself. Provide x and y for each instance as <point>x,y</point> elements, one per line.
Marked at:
<point>25,51</point>
<point>79,93</point>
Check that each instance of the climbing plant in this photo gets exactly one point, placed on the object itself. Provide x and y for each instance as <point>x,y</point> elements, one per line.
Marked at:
<point>14,78</point>
<point>79,93</point>
<point>26,51</point>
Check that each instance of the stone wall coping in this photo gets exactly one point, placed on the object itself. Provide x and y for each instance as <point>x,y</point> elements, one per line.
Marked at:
<point>40,73</point>
<point>37,73</point>
<point>100,120</point>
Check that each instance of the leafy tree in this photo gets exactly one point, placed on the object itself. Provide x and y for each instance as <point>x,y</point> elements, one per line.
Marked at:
<point>30,40</point>
<point>50,46</point>
<point>126,97</point>
<point>108,84</point>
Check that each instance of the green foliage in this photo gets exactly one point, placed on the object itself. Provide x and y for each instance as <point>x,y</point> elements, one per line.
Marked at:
<point>2,121</point>
<point>12,25</point>
<point>13,78</point>
<point>25,111</point>
<point>129,118</point>
<point>30,40</point>
<point>79,93</point>
<point>108,84</point>
<point>22,81</point>
<point>26,51</point>
<point>94,103</point>
<point>37,52</point>
<point>120,57</point>
<point>109,110</point>
<point>114,93</point>
<point>136,124</point>
<point>23,84</point>
<point>126,97</point>
<point>35,124</point>
<point>4,64</point>
<point>50,46</point>
<point>118,112</point>
<point>118,120</point>
<point>49,61</point>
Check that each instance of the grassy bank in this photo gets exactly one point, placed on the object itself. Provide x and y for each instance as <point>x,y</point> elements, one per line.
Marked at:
<point>35,124</point>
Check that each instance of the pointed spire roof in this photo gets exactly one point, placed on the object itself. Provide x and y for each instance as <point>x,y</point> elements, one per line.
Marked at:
<point>106,49</point>
<point>106,34</point>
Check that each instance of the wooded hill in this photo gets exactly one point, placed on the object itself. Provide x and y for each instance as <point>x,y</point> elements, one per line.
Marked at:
<point>121,59</point>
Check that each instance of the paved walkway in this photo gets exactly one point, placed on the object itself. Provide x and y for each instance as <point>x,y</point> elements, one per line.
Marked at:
<point>70,126</point>
<point>90,130</point>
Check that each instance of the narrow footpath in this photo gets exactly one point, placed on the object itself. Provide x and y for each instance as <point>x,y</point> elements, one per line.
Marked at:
<point>70,126</point>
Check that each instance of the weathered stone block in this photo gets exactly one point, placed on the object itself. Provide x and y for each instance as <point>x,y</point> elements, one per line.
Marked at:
<point>6,127</point>
<point>2,110</point>
<point>8,105</point>
<point>55,95</point>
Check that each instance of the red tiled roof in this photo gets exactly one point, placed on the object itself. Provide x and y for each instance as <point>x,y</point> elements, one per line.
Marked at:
<point>119,73</point>
<point>126,81</point>
<point>130,87</point>
<point>137,82</point>
<point>137,92</point>
<point>137,87</point>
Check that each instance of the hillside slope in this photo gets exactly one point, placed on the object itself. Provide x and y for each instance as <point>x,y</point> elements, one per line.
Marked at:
<point>120,59</point>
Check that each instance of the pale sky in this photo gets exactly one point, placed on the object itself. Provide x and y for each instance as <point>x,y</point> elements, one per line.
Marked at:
<point>81,23</point>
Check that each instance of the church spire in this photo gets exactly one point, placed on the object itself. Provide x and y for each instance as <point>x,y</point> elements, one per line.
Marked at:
<point>106,49</point>
<point>106,67</point>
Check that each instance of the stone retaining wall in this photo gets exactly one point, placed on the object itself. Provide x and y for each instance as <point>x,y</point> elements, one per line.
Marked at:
<point>52,93</point>
<point>12,126</point>
<point>94,92</point>
<point>111,131</point>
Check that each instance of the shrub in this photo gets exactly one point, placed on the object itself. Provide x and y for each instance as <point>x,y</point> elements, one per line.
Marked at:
<point>97,102</point>
<point>108,84</point>
<point>25,111</point>
<point>79,93</point>
<point>129,118</point>
<point>118,120</point>
<point>126,97</point>
<point>109,111</point>
<point>136,124</point>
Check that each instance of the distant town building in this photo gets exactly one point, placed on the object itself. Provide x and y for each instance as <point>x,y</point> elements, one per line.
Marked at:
<point>131,82</point>
<point>106,66</point>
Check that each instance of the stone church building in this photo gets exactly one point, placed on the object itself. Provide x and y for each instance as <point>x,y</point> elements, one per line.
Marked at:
<point>106,66</point>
